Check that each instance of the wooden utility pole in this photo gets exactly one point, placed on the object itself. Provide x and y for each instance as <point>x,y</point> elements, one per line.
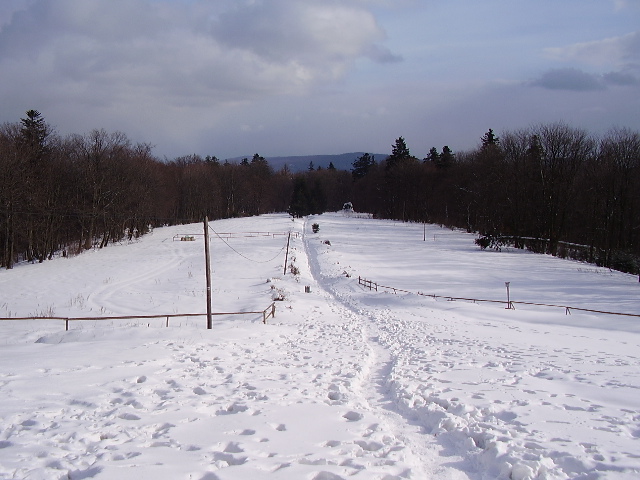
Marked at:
<point>208,270</point>
<point>286,255</point>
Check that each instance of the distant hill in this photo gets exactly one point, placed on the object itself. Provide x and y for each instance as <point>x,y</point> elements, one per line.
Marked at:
<point>342,161</point>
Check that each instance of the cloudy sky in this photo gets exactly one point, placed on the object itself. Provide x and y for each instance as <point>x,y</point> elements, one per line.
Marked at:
<point>297,77</point>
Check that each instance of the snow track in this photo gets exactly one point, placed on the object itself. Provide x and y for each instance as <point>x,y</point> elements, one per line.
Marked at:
<point>488,390</point>
<point>371,393</point>
<point>119,293</point>
<point>343,383</point>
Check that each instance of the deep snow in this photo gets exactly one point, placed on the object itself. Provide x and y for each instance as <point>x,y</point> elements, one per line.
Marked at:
<point>344,382</point>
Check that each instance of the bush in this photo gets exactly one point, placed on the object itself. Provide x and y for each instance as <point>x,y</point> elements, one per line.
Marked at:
<point>491,241</point>
<point>482,242</point>
<point>624,262</point>
<point>315,227</point>
<point>277,294</point>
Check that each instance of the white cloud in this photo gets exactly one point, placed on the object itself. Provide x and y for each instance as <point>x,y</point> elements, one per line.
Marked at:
<point>322,38</point>
<point>625,4</point>
<point>616,52</point>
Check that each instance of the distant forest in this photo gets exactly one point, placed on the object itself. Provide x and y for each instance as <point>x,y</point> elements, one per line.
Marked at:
<point>550,188</point>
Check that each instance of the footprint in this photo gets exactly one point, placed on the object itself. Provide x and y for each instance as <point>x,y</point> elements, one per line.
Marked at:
<point>233,409</point>
<point>369,446</point>
<point>327,476</point>
<point>334,396</point>
<point>233,447</point>
<point>353,416</point>
<point>228,458</point>
<point>128,416</point>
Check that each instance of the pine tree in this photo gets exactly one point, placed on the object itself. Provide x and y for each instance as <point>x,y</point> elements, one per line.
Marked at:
<point>300,204</point>
<point>362,165</point>
<point>489,139</point>
<point>399,153</point>
<point>433,156</point>
<point>446,158</point>
<point>34,134</point>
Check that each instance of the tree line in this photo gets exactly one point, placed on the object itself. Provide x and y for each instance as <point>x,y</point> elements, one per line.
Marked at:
<point>66,195</point>
<point>550,188</point>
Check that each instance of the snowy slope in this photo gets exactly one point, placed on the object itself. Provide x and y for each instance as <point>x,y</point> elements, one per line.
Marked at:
<point>344,382</point>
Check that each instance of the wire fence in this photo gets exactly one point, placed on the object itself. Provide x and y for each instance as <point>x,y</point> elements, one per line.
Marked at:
<point>510,304</point>
<point>269,312</point>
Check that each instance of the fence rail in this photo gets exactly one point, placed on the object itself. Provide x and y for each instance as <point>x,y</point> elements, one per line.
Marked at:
<point>510,304</point>
<point>270,311</point>
<point>229,235</point>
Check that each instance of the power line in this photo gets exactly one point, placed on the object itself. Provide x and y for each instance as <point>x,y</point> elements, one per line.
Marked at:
<point>242,255</point>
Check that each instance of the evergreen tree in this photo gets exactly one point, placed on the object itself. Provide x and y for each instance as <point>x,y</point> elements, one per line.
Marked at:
<point>34,134</point>
<point>362,165</point>
<point>258,159</point>
<point>400,149</point>
<point>317,199</point>
<point>399,153</point>
<point>300,204</point>
<point>446,158</point>
<point>489,139</point>
<point>433,156</point>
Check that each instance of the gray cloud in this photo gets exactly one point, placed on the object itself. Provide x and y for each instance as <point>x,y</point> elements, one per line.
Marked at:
<point>622,53</point>
<point>182,52</point>
<point>568,79</point>
<point>572,79</point>
<point>227,77</point>
<point>381,54</point>
<point>621,79</point>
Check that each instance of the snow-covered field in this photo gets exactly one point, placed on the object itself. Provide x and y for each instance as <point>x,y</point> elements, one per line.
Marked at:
<point>344,382</point>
